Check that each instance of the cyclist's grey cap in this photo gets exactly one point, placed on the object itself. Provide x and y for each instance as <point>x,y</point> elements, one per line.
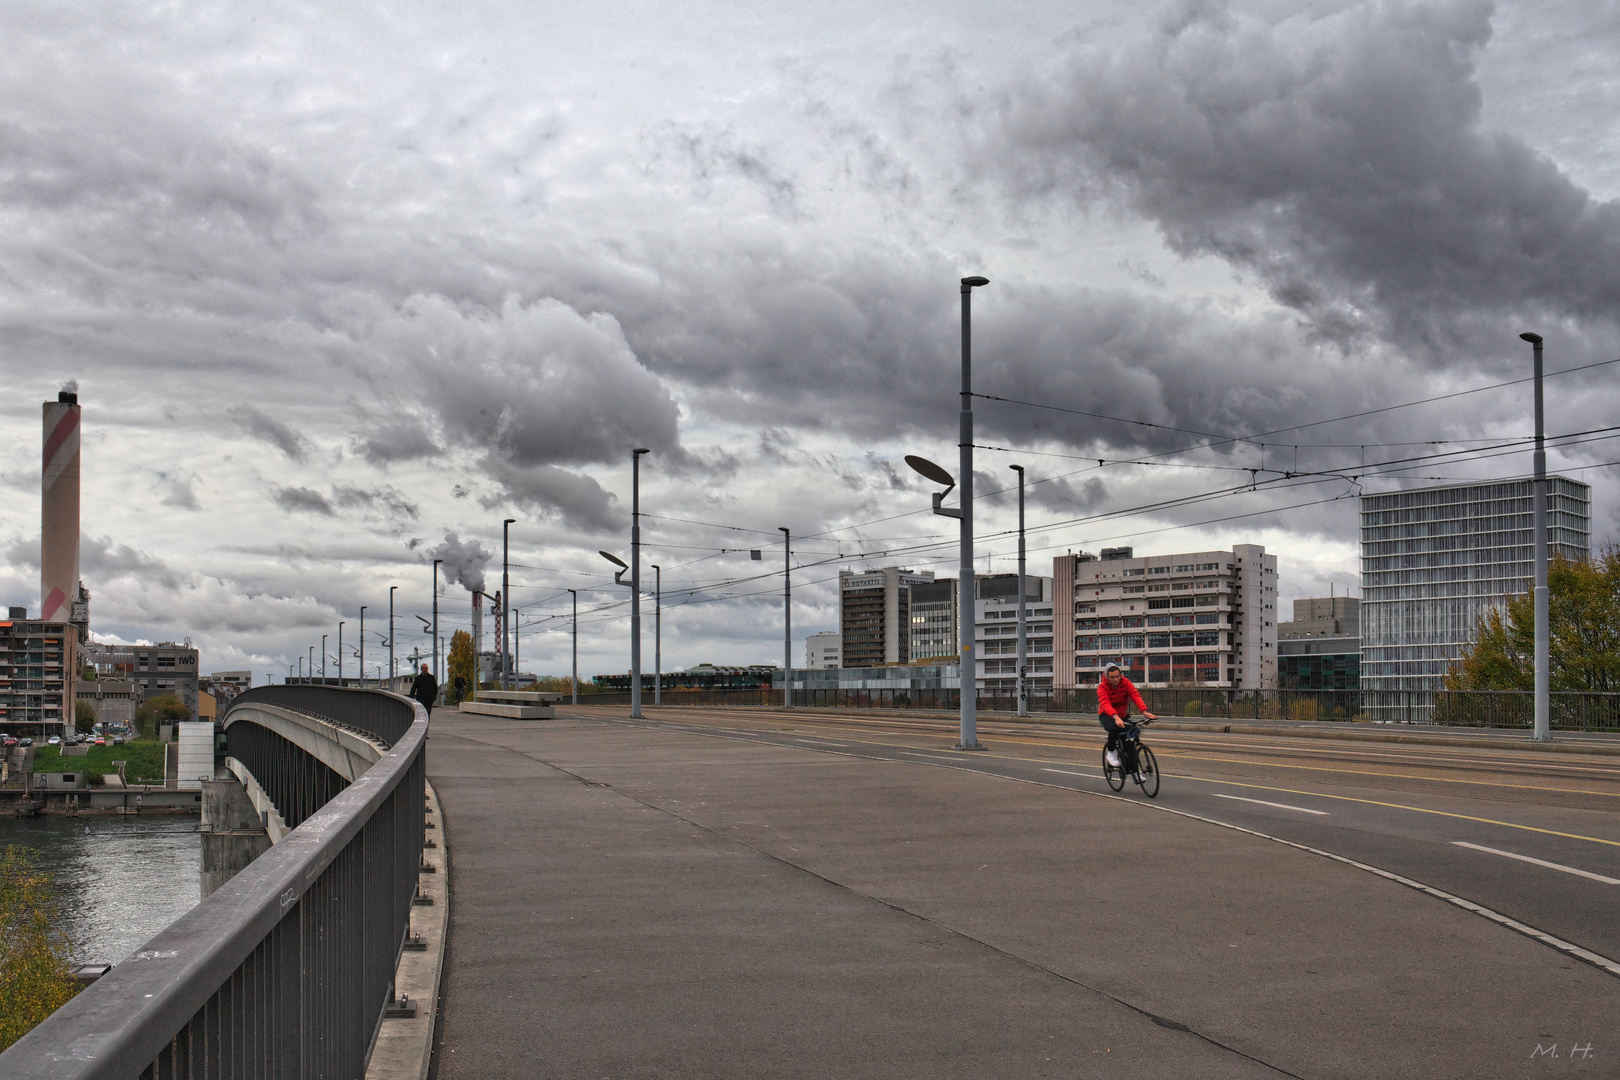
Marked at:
<point>1111,667</point>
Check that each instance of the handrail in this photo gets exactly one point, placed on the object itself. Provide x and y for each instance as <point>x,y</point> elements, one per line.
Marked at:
<point>285,969</point>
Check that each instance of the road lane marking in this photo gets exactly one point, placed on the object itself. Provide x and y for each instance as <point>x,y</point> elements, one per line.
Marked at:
<point>1540,862</point>
<point>1278,805</point>
<point>1400,806</point>
<point>1066,772</point>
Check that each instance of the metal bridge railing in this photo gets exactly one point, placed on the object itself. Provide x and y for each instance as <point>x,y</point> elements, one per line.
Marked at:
<point>285,970</point>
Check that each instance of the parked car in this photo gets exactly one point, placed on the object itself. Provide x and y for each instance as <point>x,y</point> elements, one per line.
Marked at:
<point>118,740</point>
<point>25,741</point>
<point>54,740</point>
<point>101,740</point>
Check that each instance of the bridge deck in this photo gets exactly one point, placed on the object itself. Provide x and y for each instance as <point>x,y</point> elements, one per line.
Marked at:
<point>641,902</point>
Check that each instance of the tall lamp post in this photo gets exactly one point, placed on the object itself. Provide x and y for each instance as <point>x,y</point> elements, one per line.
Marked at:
<point>1023,625</point>
<point>517,647</point>
<point>506,601</point>
<point>362,646</point>
<point>312,660</point>
<point>340,653</point>
<point>392,673</point>
<point>658,634</point>
<point>965,590</point>
<point>1543,730</point>
<point>635,650</point>
<point>323,659</point>
<point>435,630</point>
<point>575,595</point>
<point>300,667</point>
<point>787,617</point>
<point>635,580</point>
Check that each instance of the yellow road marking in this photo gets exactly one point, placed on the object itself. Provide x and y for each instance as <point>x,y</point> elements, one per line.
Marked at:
<point>1399,806</point>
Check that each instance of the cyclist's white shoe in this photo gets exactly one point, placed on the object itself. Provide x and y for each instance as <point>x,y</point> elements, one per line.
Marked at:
<point>1113,758</point>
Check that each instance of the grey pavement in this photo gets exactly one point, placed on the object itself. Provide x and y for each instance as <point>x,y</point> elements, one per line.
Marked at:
<point>635,902</point>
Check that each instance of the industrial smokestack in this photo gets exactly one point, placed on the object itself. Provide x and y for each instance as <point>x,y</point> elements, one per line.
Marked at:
<point>59,510</point>
<point>477,633</point>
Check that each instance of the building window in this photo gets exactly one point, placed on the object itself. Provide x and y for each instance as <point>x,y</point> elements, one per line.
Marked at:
<point>1155,605</point>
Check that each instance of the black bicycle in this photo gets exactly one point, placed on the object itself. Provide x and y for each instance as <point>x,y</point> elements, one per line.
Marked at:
<point>1136,761</point>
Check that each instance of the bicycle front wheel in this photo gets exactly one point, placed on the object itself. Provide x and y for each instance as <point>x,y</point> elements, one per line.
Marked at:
<point>1147,771</point>
<point>1114,776</point>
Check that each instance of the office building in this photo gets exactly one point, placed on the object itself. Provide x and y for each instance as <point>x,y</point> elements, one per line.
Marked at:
<point>874,615</point>
<point>113,700</point>
<point>934,621</point>
<point>1435,560</point>
<point>996,636</point>
<point>1204,618</point>
<point>1323,616</point>
<point>38,672</point>
<point>821,651</point>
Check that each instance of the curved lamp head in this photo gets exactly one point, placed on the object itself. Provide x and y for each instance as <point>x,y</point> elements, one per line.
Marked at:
<point>973,282</point>
<point>1019,469</point>
<point>930,470</point>
<point>614,559</point>
<point>1534,339</point>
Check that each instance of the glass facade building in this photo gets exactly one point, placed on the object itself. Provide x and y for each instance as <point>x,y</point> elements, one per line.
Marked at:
<point>1434,560</point>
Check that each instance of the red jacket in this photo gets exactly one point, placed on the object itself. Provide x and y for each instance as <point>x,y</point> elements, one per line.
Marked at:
<point>1114,700</point>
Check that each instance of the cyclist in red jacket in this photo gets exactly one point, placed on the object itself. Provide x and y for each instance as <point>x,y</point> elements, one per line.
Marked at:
<point>1114,696</point>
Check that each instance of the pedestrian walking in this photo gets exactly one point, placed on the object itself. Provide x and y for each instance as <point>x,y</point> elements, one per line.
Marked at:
<point>425,688</point>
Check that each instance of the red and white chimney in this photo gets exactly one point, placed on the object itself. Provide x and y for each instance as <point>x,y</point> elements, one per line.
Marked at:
<point>59,510</point>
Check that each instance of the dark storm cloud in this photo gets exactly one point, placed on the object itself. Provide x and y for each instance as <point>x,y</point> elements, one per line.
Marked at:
<point>385,499</point>
<point>1337,154</point>
<point>266,428</point>
<point>301,500</point>
<point>578,500</point>
<point>396,438</point>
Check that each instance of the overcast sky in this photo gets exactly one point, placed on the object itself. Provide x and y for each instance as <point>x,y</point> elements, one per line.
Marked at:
<point>343,285</point>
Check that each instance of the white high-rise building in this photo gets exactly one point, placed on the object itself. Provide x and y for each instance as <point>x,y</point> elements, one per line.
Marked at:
<point>1203,618</point>
<point>822,650</point>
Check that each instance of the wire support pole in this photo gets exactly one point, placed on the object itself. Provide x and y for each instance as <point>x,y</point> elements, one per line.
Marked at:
<point>787,617</point>
<point>1543,728</point>
<point>1023,613</point>
<point>968,671</point>
<point>635,581</point>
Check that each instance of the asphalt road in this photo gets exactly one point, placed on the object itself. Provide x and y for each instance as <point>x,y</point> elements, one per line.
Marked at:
<point>748,893</point>
<point>1462,820</point>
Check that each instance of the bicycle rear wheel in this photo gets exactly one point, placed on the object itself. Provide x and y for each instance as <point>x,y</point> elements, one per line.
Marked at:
<point>1147,771</point>
<point>1114,776</point>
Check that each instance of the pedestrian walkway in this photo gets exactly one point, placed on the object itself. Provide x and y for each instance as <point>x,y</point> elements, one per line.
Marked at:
<point>635,902</point>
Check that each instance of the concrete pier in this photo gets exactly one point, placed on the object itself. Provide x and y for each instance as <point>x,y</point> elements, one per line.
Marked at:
<point>232,834</point>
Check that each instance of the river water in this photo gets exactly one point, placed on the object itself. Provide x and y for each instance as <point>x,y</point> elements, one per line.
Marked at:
<point>118,883</point>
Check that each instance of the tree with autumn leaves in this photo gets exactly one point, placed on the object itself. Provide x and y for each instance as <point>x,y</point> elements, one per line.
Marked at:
<point>1583,608</point>
<point>34,975</point>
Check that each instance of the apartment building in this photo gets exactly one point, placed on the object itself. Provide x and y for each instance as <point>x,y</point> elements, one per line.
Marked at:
<point>996,633</point>
<point>38,671</point>
<point>1204,618</point>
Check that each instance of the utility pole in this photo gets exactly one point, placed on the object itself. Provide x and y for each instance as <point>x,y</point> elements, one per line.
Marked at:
<point>1543,730</point>
<point>787,617</point>
<point>964,585</point>
<point>434,645</point>
<point>323,659</point>
<point>340,653</point>
<point>575,595</point>
<point>658,634</point>
<point>362,646</point>
<point>1023,641</point>
<point>517,647</point>
<point>635,581</point>
<point>312,659</point>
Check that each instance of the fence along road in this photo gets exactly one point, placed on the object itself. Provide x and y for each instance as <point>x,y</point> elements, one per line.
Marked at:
<point>284,971</point>
<point>1531,835</point>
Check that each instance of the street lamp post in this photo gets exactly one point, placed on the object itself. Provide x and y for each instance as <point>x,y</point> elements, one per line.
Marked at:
<point>517,647</point>
<point>787,617</point>
<point>658,634</point>
<point>436,675</point>
<point>1023,625</point>
<point>300,667</point>
<point>1543,729</point>
<point>392,673</point>
<point>312,659</point>
<point>575,595</point>
<point>362,646</point>
<point>635,652</point>
<point>506,601</point>
<point>965,590</point>
<point>340,653</point>
<point>323,659</point>
<point>635,581</point>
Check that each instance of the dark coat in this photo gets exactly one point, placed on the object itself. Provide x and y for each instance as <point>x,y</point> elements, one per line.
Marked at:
<point>425,689</point>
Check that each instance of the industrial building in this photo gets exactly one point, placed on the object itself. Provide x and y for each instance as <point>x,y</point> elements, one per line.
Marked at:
<point>1436,560</point>
<point>165,668</point>
<point>1204,618</point>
